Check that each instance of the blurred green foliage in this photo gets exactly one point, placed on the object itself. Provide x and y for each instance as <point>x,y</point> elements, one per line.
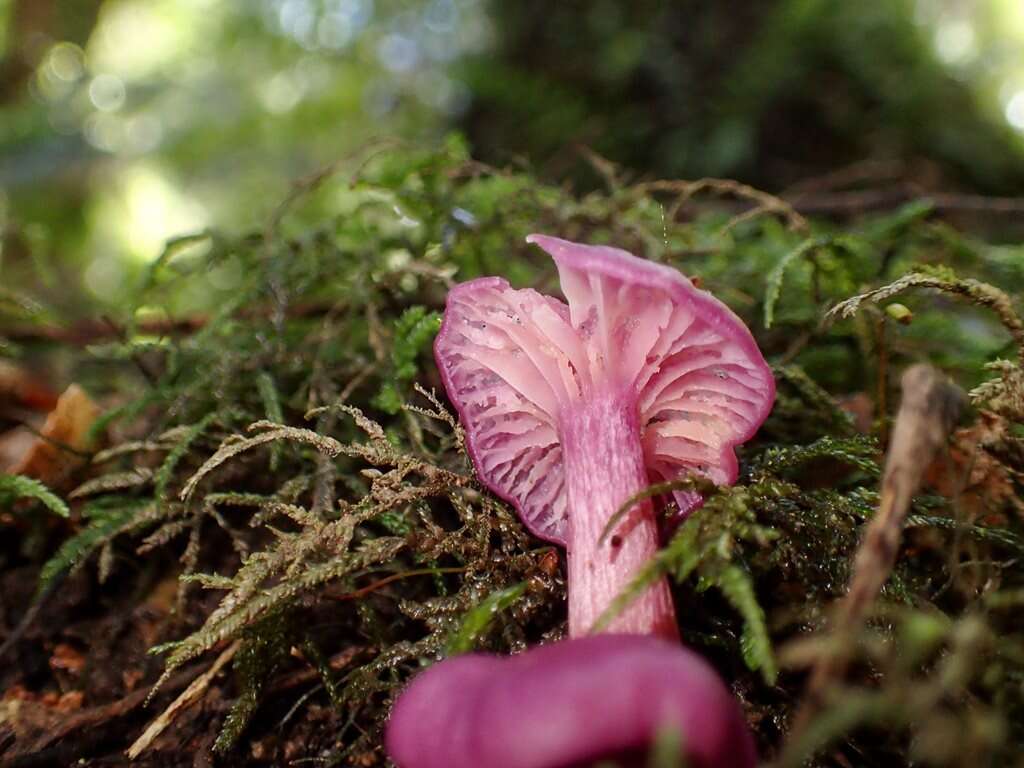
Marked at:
<point>154,118</point>
<point>770,92</point>
<point>126,122</point>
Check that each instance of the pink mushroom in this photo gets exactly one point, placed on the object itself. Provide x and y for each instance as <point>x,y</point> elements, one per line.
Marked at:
<point>572,409</point>
<point>569,704</point>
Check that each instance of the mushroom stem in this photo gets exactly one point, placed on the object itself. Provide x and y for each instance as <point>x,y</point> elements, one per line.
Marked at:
<point>604,467</point>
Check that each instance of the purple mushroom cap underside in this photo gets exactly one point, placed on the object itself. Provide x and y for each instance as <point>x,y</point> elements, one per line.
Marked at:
<point>519,366</point>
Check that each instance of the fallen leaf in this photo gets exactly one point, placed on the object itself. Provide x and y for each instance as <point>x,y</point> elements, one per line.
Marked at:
<point>982,485</point>
<point>68,658</point>
<point>58,450</point>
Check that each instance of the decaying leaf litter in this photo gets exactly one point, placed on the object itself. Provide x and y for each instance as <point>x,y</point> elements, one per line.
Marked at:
<point>279,477</point>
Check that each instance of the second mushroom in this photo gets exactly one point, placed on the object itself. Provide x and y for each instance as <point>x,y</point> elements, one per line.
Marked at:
<point>571,409</point>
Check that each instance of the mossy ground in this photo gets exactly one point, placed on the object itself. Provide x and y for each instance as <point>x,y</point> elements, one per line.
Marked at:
<point>283,484</point>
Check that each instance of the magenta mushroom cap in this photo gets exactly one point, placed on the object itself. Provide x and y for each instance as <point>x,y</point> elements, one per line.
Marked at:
<point>519,367</point>
<point>568,704</point>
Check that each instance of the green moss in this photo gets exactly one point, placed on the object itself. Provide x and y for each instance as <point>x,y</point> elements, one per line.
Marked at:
<point>291,451</point>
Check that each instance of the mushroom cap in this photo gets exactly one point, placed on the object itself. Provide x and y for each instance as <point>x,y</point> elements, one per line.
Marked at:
<point>516,364</point>
<point>568,704</point>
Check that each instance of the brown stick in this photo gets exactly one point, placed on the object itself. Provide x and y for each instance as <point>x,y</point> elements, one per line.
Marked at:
<point>88,725</point>
<point>92,331</point>
<point>187,698</point>
<point>77,735</point>
<point>374,586</point>
<point>928,411</point>
<point>864,201</point>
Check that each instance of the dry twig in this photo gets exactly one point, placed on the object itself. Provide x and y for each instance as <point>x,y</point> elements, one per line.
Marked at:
<point>928,411</point>
<point>189,696</point>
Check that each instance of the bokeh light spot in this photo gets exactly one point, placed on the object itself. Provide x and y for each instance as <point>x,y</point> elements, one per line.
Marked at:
<point>955,41</point>
<point>297,20</point>
<point>143,133</point>
<point>398,53</point>
<point>137,38</point>
<point>1015,110</point>
<point>103,131</point>
<point>281,93</point>
<point>107,93</point>
<point>66,61</point>
<point>334,31</point>
<point>143,208</point>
